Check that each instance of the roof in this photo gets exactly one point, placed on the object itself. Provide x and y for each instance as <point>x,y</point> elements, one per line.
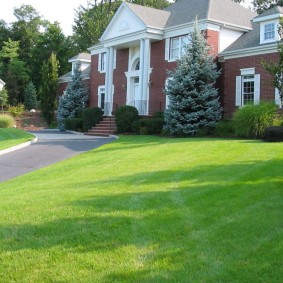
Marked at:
<point>68,76</point>
<point>274,10</point>
<point>81,56</point>
<point>225,11</point>
<point>150,16</point>
<point>252,38</point>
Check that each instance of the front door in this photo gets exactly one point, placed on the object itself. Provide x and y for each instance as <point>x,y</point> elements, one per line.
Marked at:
<point>101,99</point>
<point>137,95</point>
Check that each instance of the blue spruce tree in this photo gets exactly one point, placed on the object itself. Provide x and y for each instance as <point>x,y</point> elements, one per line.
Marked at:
<point>194,101</point>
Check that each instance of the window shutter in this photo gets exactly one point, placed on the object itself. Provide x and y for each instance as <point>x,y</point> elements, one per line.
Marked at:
<point>99,62</point>
<point>238,91</point>
<point>167,48</point>
<point>257,89</point>
<point>277,98</point>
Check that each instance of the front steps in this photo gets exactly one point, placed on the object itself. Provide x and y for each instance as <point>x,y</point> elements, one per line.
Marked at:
<point>104,128</point>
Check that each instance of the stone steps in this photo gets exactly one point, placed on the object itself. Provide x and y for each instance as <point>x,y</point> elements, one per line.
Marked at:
<point>104,128</point>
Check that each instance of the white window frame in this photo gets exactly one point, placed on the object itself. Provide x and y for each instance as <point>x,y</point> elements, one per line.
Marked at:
<point>167,98</point>
<point>101,89</point>
<point>263,31</point>
<point>180,49</point>
<point>102,62</point>
<point>247,75</point>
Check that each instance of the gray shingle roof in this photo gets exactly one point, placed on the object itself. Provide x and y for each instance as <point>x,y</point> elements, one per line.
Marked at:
<point>274,10</point>
<point>226,11</point>
<point>150,16</point>
<point>81,56</point>
<point>68,76</point>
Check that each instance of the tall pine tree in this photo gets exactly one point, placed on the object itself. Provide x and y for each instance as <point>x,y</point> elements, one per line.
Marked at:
<point>74,99</point>
<point>48,91</point>
<point>194,102</point>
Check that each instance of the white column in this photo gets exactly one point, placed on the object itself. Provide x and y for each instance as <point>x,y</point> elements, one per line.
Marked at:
<point>145,82</point>
<point>142,66</point>
<point>109,82</point>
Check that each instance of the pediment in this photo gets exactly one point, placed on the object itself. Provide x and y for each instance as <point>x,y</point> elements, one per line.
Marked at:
<point>123,23</point>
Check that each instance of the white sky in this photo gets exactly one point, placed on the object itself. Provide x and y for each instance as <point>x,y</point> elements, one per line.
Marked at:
<point>61,11</point>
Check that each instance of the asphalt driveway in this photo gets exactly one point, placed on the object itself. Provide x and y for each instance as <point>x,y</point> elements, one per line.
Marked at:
<point>52,146</point>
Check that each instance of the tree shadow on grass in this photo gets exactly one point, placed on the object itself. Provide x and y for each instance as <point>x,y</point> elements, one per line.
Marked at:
<point>177,224</point>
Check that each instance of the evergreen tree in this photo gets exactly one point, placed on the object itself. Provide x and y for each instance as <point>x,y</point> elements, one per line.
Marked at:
<point>48,92</point>
<point>3,98</point>
<point>30,96</point>
<point>194,101</point>
<point>74,99</point>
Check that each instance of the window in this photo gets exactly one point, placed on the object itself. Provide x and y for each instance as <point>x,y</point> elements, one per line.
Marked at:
<point>247,87</point>
<point>178,47</point>
<point>167,98</point>
<point>269,31</point>
<point>101,97</point>
<point>102,62</point>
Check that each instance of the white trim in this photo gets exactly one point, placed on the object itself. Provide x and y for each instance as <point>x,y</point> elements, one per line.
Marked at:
<point>247,71</point>
<point>267,18</point>
<point>99,91</point>
<point>238,95</point>
<point>256,89</point>
<point>262,32</point>
<point>246,52</point>
<point>277,98</point>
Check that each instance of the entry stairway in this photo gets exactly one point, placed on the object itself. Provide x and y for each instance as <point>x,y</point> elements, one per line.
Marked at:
<point>105,127</point>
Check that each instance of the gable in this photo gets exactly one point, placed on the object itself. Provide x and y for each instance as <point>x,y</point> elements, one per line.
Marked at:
<point>125,22</point>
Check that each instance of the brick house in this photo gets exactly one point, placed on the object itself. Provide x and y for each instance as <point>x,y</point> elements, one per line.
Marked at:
<point>130,64</point>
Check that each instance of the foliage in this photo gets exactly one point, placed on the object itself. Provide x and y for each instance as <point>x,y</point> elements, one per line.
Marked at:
<point>91,116</point>
<point>276,68</point>
<point>74,124</point>
<point>48,92</point>
<point>251,120</point>
<point>224,129</point>
<point>194,101</point>
<point>3,98</point>
<point>149,126</point>
<point>262,5</point>
<point>74,99</point>
<point>6,121</point>
<point>171,210</point>
<point>30,96</point>
<point>16,110</point>
<point>125,116</point>
<point>273,134</point>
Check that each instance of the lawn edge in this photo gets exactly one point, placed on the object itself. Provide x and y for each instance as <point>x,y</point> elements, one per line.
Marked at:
<point>17,147</point>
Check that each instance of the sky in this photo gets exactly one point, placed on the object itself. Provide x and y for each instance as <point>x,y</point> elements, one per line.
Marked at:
<point>61,11</point>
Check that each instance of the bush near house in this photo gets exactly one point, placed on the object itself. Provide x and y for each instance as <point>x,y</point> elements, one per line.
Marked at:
<point>274,134</point>
<point>125,116</point>
<point>90,117</point>
<point>74,124</point>
<point>251,120</point>
<point>149,126</point>
<point>6,121</point>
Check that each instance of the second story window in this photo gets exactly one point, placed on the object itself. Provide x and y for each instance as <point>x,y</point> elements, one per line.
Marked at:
<point>102,62</point>
<point>269,31</point>
<point>178,47</point>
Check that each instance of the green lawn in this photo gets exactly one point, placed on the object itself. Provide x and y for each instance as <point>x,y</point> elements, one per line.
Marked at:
<point>12,137</point>
<point>148,209</point>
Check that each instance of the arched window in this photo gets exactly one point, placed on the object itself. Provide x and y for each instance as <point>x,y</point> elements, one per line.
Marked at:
<point>137,67</point>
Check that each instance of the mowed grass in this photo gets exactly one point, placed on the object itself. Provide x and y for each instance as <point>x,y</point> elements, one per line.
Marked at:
<point>148,209</point>
<point>11,137</point>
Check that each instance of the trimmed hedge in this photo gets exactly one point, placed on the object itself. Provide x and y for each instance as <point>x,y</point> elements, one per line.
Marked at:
<point>274,134</point>
<point>74,124</point>
<point>125,116</point>
<point>6,121</point>
<point>149,126</point>
<point>90,117</point>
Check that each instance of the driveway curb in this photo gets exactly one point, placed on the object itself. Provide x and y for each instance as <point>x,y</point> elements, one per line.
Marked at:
<point>19,146</point>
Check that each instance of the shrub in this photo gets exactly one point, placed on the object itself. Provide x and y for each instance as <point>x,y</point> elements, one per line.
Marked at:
<point>91,116</point>
<point>6,121</point>
<point>125,117</point>
<point>148,126</point>
<point>224,129</point>
<point>53,125</point>
<point>274,134</point>
<point>30,96</point>
<point>251,120</point>
<point>17,110</point>
<point>74,124</point>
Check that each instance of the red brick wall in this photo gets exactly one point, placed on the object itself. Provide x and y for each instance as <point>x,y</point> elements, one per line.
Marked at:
<point>96,79</point>
<point>61,88</point>
<point>120,79</point>
<point>231,69</point>
<point>212,38</point>
<point>158,76</point>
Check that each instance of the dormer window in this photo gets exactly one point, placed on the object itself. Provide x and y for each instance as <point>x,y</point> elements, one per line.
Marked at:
<point>269,31</point>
